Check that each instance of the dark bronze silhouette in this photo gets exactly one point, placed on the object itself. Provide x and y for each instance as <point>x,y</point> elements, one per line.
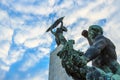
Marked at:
<point>101,52</point>
<point>59,38</point>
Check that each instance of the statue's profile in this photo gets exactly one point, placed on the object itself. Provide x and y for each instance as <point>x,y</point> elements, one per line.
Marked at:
<point>101,52</point>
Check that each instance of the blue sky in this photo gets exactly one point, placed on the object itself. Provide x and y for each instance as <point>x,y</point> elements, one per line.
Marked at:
<point>25,46</point>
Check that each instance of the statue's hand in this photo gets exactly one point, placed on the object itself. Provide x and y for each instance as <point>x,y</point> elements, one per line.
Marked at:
<point>84,33</point>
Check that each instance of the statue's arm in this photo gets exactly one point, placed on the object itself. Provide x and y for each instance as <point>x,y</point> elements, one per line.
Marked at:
<point>89,41</point>
<point>95,49</point>
<point>85,34</point>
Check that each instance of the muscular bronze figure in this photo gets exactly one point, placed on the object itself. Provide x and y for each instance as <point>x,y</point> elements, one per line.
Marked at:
<point>101,52</point>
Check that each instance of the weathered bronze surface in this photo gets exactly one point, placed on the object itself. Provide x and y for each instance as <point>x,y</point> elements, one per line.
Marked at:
<point>101,52</point>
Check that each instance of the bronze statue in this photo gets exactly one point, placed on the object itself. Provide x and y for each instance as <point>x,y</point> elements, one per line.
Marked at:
<point>59,38</point>
<point>101,52</point>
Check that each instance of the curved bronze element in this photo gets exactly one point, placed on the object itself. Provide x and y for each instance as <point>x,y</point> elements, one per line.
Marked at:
<point>55,24</point>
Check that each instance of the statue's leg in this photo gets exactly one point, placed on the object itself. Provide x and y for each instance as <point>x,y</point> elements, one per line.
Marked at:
<point>115,77</point>
<point>96,74</point>
<point>57,41</point>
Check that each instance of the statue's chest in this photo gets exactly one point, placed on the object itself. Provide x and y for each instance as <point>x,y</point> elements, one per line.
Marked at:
<point>100,60</point>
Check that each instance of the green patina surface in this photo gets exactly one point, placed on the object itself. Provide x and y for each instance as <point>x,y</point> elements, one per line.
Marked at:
<point>101,52</point>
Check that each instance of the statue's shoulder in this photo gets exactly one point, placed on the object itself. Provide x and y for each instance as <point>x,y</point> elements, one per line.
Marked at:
<point>100,37</point>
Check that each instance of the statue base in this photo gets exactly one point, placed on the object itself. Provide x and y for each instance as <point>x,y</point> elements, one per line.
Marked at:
<point>56,71</point>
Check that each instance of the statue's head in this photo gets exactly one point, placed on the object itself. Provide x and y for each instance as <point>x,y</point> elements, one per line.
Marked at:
<point>94,30</point>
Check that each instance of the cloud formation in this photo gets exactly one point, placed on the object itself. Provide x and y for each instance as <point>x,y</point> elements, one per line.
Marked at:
<point>23,24</point>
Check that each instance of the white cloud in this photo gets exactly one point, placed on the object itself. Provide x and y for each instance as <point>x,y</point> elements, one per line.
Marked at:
<point>51,2</point>
<point>4,18</point>
<point>32,43</point>
<point>17,22</point>
<point>27,33</point>
<point>7,56</point>
<point>13,56</point>
<point>4,49</point>
<point>42,75</point>
<point>9,59</point>
<point>32,59</point>
<point>5,2</point>
<point>32,36</point>
<point>3,67</point>
<point>5,42</point>
<point>5,33</point>
<point>43,9</point>
<point>26,1</point>
<point>89,12</point>
<point>20,37</point>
